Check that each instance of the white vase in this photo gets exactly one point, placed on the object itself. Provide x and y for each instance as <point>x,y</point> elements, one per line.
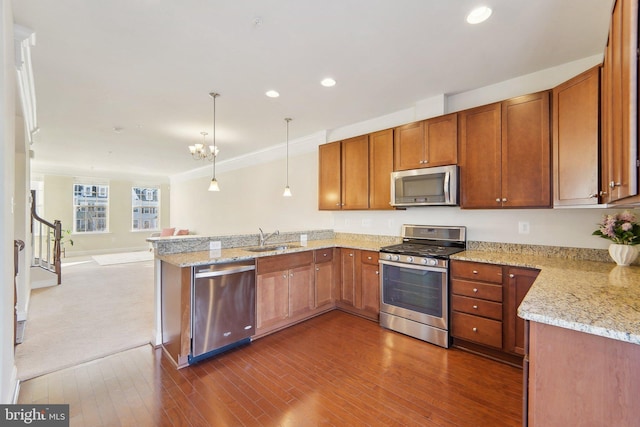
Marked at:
<point>623,254</point>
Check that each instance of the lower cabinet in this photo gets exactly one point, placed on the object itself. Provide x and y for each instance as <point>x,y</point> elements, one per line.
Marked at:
<point>359,283</point>
<point>484,303</point>
<point>325,278</point>
<point>285,291</point>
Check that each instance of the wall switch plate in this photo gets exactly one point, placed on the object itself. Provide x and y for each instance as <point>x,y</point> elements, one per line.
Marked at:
<point>523,227</point>
<point>215,245</point>
<point>303,239</point>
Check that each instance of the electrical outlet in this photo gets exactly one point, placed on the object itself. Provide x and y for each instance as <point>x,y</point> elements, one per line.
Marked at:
<point>215,245</point>
<point>367,222</point>
<point>523,227</point>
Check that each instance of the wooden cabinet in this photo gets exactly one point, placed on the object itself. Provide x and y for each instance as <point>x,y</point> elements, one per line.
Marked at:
<point>619,167</point>
<point>432,142</point>
<point>505,154</point>
<point>579,379</point>
<point>519,281</point>
<point>325,278</point>
<point>284,290</point>
<point>380,168</point>
<point>484,303</point>
<point>476,303</point>
<point>344,174</point>
<point>359,285</point>
<point>576,137</point>
<point>329,179</point>
<point>370,276</point>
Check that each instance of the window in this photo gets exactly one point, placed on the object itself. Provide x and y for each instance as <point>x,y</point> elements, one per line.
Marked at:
<point>90,208</point>
<point>145,207</point>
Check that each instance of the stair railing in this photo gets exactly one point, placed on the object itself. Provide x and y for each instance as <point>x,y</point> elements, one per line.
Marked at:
<point>45,242</point>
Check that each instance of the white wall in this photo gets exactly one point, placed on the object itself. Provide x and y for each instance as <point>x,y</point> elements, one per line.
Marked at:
<point>7,150</point>
<point>251,197</point>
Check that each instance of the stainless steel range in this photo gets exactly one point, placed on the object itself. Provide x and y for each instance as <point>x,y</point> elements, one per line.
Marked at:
<point>414,281</point>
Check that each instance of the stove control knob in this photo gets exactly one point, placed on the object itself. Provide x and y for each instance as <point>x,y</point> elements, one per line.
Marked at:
<point>388,256</point>
<point>409,259</point>
<point>429,261</point>
<point>396,258</point>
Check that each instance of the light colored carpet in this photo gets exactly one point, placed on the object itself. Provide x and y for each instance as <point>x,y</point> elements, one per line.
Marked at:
<point>96,311</point>
<point>123,258</point>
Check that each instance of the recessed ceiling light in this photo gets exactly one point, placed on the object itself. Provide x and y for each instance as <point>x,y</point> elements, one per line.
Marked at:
<point>478,15</point>
<point>328,82</point>
<point>272,94</point>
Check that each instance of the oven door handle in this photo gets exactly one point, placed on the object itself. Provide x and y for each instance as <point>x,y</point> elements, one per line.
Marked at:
<point>413,266</point>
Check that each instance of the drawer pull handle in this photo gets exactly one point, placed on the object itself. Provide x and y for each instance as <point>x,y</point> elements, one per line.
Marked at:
<point>475,290</point>
<point>512,276</point>
<point>475,271</point>
<point>377,272</point>
<point>475,307</point>
<point>475,329</point>
<point>350,254</point>
<point>368,257</point>
<point>324,254</point>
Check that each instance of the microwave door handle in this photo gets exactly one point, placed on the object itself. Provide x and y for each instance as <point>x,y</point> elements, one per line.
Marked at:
<point>447,194</point>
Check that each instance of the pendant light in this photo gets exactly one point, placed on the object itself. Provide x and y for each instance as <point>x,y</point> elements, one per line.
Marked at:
<point>287,190</point>
<point>213,186</point>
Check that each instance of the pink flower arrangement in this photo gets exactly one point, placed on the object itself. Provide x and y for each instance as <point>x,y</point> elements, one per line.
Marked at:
<point>620,228</point>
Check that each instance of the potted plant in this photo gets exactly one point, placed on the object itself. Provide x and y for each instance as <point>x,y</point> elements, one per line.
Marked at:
<point>623,230</point>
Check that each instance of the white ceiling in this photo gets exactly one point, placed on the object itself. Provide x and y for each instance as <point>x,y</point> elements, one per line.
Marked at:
<point>147,66</point>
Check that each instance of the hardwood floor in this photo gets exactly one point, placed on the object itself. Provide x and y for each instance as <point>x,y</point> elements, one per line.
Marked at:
<point>336,369</point>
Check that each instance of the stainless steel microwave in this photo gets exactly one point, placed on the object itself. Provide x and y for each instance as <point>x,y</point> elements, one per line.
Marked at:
<point>425,187</point>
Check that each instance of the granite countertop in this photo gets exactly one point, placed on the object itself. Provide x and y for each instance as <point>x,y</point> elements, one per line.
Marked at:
<point>598,298</point>
<point>188,259</point>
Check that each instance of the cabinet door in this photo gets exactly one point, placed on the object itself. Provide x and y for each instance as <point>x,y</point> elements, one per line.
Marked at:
<point>620,105</point>
<point>348,276</point>
<point>355,173</point>
<point>325,282</point>
<point>409,146</point>
<point>520,281</point>
<point>371,289</point>
<point>380,168</point>
<point>301,295</point>
<point>575,140</point>
<point>329,182</point>
<point>441,138</point>
<point>272,298</point>
<point>526,151</point>
<point>480,157</point>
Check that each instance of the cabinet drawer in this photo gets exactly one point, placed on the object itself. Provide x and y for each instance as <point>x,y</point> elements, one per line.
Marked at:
<point>477,329</point>
<point>269,264</point>
<point>324,255</point>
<point>370,257</point>
<point>476,271</point>
<point>477,290</point>
<point>478,307</point>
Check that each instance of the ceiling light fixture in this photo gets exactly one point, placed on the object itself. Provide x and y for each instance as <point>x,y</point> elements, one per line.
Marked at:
<point>287,189</point>
<point>272,94</point>
<point>479,14</point>
<point>199,151</point>
<point>328,82</point>
<point>213,186</point>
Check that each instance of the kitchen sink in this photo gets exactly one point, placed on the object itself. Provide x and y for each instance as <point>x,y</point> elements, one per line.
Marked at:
<point>281,247</point>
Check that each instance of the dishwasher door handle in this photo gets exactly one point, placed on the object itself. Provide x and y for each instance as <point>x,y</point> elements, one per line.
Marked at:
<point>223,272</point>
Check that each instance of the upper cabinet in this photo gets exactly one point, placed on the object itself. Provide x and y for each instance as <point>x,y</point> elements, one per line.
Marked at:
<point>620,105</point>
<point>432,142</point>
<point>380,168</point>
<point>576,134</point>
<point>505,154</point>
<point>344,174</point>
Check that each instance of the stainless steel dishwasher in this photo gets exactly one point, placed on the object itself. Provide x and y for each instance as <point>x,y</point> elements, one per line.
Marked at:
<point>223,307</point>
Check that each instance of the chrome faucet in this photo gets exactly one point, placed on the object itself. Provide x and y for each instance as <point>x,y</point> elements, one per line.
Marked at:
<point>263,238</point>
